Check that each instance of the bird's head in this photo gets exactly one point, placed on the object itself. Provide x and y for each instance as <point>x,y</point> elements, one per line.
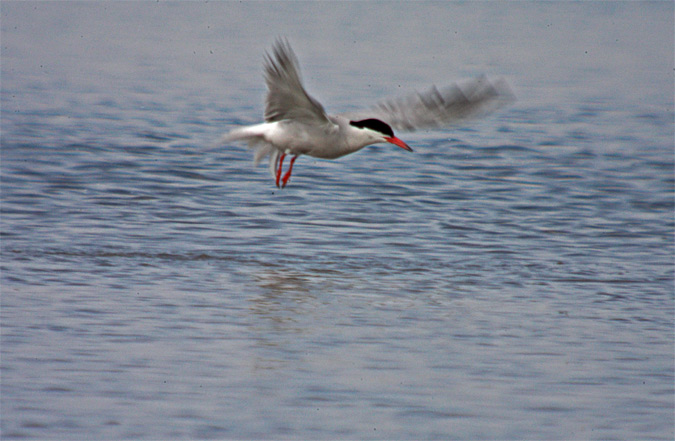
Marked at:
<point>374,131</point>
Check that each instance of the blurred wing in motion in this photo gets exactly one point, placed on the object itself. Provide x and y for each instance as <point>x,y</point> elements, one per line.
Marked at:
<point>286,97</point>
<point>436,108</point>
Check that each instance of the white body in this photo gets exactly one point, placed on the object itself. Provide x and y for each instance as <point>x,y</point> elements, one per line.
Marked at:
<point>297,124</point>
<point>326,141</point>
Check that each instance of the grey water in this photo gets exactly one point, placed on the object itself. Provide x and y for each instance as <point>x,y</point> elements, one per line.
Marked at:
<point>510,279</point>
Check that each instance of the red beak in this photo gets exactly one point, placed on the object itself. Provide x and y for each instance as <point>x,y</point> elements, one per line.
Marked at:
<point>394,140</point>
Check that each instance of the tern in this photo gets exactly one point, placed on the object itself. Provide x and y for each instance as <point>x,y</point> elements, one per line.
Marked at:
<point>296,124</point>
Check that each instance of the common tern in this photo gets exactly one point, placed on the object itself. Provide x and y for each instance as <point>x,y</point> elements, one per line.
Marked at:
<point>296,124</point>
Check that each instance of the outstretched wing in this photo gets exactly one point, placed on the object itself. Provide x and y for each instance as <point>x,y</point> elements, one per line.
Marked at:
<point>286,98</point>
<point>436,107</point>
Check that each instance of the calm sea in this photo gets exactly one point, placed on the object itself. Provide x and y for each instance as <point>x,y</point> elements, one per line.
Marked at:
<point>510,279</point>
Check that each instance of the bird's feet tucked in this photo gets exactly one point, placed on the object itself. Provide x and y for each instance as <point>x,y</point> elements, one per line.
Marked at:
<point>287,175</point>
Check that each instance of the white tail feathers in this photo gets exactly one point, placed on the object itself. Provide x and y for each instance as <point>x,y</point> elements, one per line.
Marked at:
<point>243,133</point>
<point>261,148</point>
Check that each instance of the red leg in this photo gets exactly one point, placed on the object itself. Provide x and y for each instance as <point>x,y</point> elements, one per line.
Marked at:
<point>287,176</point>
<point>281,162</point>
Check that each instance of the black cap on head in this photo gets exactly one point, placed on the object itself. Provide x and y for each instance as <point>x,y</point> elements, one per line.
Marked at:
<point>374,124</point>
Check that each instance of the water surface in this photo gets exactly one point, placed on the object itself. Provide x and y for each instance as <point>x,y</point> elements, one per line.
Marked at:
<point>511,279</point>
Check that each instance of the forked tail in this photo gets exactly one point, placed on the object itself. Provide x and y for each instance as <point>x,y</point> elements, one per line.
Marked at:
<point>261,148</point>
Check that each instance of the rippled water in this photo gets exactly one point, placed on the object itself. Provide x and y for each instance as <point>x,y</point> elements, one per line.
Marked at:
<point>510,279</point>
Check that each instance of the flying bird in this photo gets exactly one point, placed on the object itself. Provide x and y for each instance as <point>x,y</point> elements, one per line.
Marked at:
<point>296,124</point>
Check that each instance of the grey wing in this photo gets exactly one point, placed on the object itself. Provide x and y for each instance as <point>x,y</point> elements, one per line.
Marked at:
<point>286,98</point>
<point>436,108</point>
